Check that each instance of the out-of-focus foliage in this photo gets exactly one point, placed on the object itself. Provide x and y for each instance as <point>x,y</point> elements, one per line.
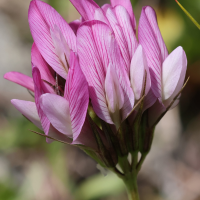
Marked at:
<point>32,169</point>
<point>190,37</point>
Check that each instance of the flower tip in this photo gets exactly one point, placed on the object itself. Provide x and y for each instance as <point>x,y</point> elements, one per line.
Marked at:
<point>33,1</point>
<point>14,101</point>
<point>6,75</point>
<point>139,48</point>
<point>147,8</point>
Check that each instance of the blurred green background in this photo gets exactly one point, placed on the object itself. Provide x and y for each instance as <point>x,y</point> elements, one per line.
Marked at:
<point>31,169</point>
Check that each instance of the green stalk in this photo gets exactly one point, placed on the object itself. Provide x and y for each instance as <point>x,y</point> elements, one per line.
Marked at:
<point>189,15</point>
<point>130,180</point>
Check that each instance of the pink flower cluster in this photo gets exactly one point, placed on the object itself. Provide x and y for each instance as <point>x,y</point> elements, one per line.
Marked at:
<point>96,61</point>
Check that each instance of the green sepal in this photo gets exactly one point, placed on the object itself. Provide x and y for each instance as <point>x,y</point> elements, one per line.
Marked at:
<point>146,134</point>
<point>102,152</point>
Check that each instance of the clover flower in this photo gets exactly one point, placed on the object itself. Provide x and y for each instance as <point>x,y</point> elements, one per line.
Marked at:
<point>96,63</point>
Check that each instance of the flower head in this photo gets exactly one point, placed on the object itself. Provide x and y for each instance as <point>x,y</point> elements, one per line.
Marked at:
<point>130,83</point>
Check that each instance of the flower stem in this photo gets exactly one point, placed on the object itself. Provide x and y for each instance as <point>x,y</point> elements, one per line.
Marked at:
<point>129,178</point>
<point>130,181</point>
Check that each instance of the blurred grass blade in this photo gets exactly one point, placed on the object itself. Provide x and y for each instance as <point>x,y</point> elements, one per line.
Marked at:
<point>188,14</point>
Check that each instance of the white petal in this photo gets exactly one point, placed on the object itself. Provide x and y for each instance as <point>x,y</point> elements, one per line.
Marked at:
<point>137,73</point>
<point>57,111</point>
<point>114,93</point>
<point>173,70</point>
<point>29,110</point>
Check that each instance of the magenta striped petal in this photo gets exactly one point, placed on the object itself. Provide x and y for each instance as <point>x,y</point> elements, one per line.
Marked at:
<point>112,50</point>
<point>100,15</point>
<point>78,96</point>
<point>105,7</point>
<point>42,18</point>
<point>39,90</point>
<point>116,60</point>
<point>129,33</point>
<point>52,18</point>
<point>29,110</point>
<point>147,39</point>
<point>151,16</point>
<point>92,67</point>
<point>61,47</point>
<point>104,51</point>
<point>119,35</point>
<point>126,4</point>
<point>21,79</point>
<point>149,100</point>
<point>38,61</point>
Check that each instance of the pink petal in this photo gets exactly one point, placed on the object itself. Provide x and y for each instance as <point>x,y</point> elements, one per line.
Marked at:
<point>86,8</point>
<point>20,79</point>
<point>75,25</point>
<point>119,35</point>
<point>78,96</point>
<point>149,100</point>
<point>148,40</point>
<point>39,90</point>
<point>100,15</point>
<point>151,16</point>
<point>52,18</point>
<point>56,108</point>
<point>105,7</point>
<point>116,60</point>
<point>42,18</point>
<point>39,62</point>
<point>110,54</point>
<point>137,73</point>
<point>29,110</point>
<point>114,93</point>
<point>129,33</point>
<point>92,66</point>
<point>173,73</point>
<point>61,47</point>
<point>126,4</point>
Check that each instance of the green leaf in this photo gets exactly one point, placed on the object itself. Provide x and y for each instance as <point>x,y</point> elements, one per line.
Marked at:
<point>99,186</point>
